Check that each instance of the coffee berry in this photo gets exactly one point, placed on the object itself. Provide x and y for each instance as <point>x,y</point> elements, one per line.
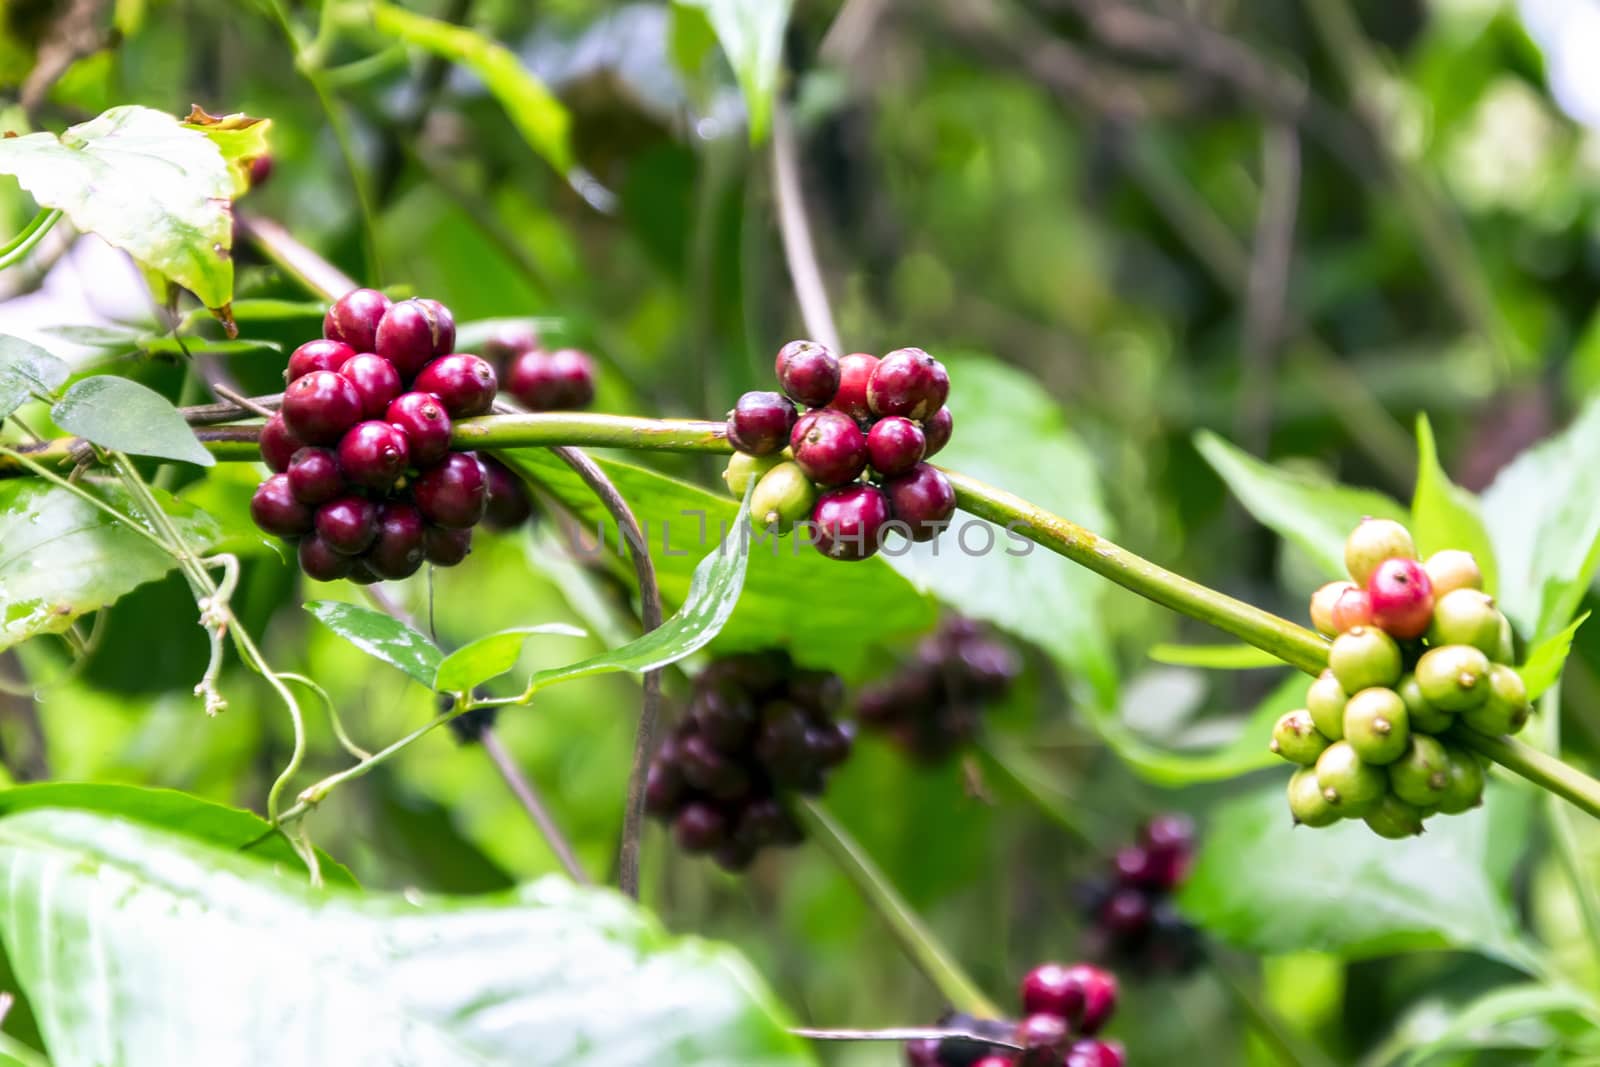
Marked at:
<point>1064,1007</point>
<point>932,707</point>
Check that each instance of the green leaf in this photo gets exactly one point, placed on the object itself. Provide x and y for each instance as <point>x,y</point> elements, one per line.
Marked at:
<point>382,637</point>
<point>1214,657</point>
<point>1481,1023</point>
<point>751,34</point>
<point>1543,514</point>
<point>97,336</point>
<point>26,369</point>
<point>181,813</point>
<point>1171,768</point>
<point>1547,657</point>
<point>1343,889</point>
<point>1010,432</point>
<point>240,138</point>
<point>1444,515</point>
<point>140,180</point>
<point>1315,514</point>
<point>125,416</point>
<point>108,924</point>
<point>536,113</point>
<point>491,656</point>
<point>61,557</point>
<point>680,519</point>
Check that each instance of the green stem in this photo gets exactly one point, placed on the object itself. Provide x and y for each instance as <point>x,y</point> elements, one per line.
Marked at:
<point>917,940</point>
<point>17,249</point>
<point>1561,825</point>
<point>1540,768</point>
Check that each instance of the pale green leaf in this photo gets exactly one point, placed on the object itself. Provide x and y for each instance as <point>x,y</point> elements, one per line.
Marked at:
<point>1444,515</point>
<point>26,370</point>
<point>1482,1023</point>
<point>124,416</point>
<point>240,138</point>
<point>381,636</point>
<point>491,656</point>
<point>1547,657</point>
<point>1172,768</point>
<point>751,34</point>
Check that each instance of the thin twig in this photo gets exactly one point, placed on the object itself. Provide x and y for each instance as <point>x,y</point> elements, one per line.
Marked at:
<point>904,1033</point>
<point>314,273</point>
<point>644,570</point>
<point>230,411</point>
<point>241,401</point>
<point>798,251</point>
<point>532,803</point>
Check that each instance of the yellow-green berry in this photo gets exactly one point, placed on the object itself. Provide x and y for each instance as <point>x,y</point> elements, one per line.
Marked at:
<point>1349,785</point>
<point>1421,776</point>
<point>1374,541</point>
<point>1424,717</point>
<point>1454,677</point>
<point>1466,617</point>
<point>1451,569</point>
<point>1306,803</point>
<point>744,468</point>
<point>1376,726</point>
<point>1506,709</point>
<point>1296,739</point>
<point>1393,818</point>
<point>1364,657</point>
<point>1465,790</point>
<point>1325,700</point>
<point>782,497</point>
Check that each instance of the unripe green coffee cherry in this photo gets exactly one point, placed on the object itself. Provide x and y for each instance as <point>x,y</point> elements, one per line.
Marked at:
<point>1363,658</point>
<point>1325,701</point>
<point>1465,617</point>
<point>1351,786</point>
<point>1451,569</point>
<point>1376,726</point>
<point>1296,739</point>
<point>743,469</point>
<point>1306,803</point>
<point>1505,649</point>
<point>1506,709</point>
<point>1393,818</point>
<point>1465,790</point>
<point>1322,602</point>
<point>1422,775</point>
<point>1423,716</point>
<point>1454,677</point>
<point>783,497</point>
<point>1372,542</point>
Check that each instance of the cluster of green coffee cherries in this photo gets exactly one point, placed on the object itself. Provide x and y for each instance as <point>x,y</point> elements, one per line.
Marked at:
<point>1420,654</point>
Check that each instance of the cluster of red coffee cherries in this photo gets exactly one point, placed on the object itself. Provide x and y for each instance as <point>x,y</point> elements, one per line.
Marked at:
<point>1132,920</point>
<point>932,707</point>
<point>1063,1007</point>
<point>865,417</point>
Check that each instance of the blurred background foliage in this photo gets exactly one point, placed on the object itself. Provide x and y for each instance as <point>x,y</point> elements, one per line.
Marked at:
<point>1296,225</point>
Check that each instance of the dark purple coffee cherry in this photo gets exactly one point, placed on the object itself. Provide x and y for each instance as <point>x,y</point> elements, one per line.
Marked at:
<point>320,407</point>
<point>510,504</point>
<point>819,692</point>
<point>922,499</point>
<point>509,341</point>
<point>465,384</point>
<point>412,334</point>
<point>855,371</point>
<point>724,715</point>
<point>376,382</point>
<point>699,827</point>
<point>349,524</point>
<point>454,494</point>
<point>849,522</point>
<point>374,455</point>
<point>760,422</point>
<point>781,744</point>
<point>361,572</point>
<point>354,319</point>
<point>318,560</point>
<point>711,771</point>
<point>764,822</point>
<point>275,509</point>
<point>1041,1037</point>
<point>562,380</point>
<point>1126,914</point>
<point>829,447</point>
<point>422,419</point>
<point>446,547</point>
<point>936,429</point>
<point>664,787</point>
<point>314,476</point>
<point>829,745</point>
<point>895,445</point>
<point>320,354</point>
<point>808,373</point>
<point>908,382</point>
<point>397,553</point>
<point>278,444</point>
<point>734,856</point>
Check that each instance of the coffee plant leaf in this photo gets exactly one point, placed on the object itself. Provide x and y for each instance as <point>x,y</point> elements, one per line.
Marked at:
<point>108,923</point>
<point>751,35</point>
<point>381,636</point>
<point>240,138</point>
<point>26,370</point>
<point>1524,1015</point>
<point>1547,657</point>
<point>65,557</point>
<point>491,656</point>
<point>124,416</point>
<point>142,181</point>
<point>1444,515</point>
<point>1173,768</point>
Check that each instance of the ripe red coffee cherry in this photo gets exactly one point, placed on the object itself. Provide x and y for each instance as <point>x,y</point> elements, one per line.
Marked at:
<point>1092,1052</point>
<point>422,419</point>
<point>808,373</point>
<point>412,334</point>
<point>349,524</point>
<point>1038,1034</point>
<point>895,445</point>
<point>1352,608</point>
<point>508,342</point>
<point>923,499</point>
<point>829,447</point>
<point>1322,602</point>
<point>321,354</point>
<point>444,547</point>
<point>552,381</point>
<point>314,476</point>
<point>509,503</point>
<point>936,428</point>
<point>377,382</point>
<point>855,371</point>
<point>760,422</point>
<point>465,384</point>
<point>320,407</point>
<point>275,509</point>
<point>374,454</point>
<point>1401,597</point>
<point>1126,912</point>
<point>397,551</point>
<point>1050,989</point>
<point>908,382</point>
<point>278,444</point>
<point>318,560</point>
<point>354,319</point>
<point>453,494</point>
<point>849,522</point>
<point>1099,995</point>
